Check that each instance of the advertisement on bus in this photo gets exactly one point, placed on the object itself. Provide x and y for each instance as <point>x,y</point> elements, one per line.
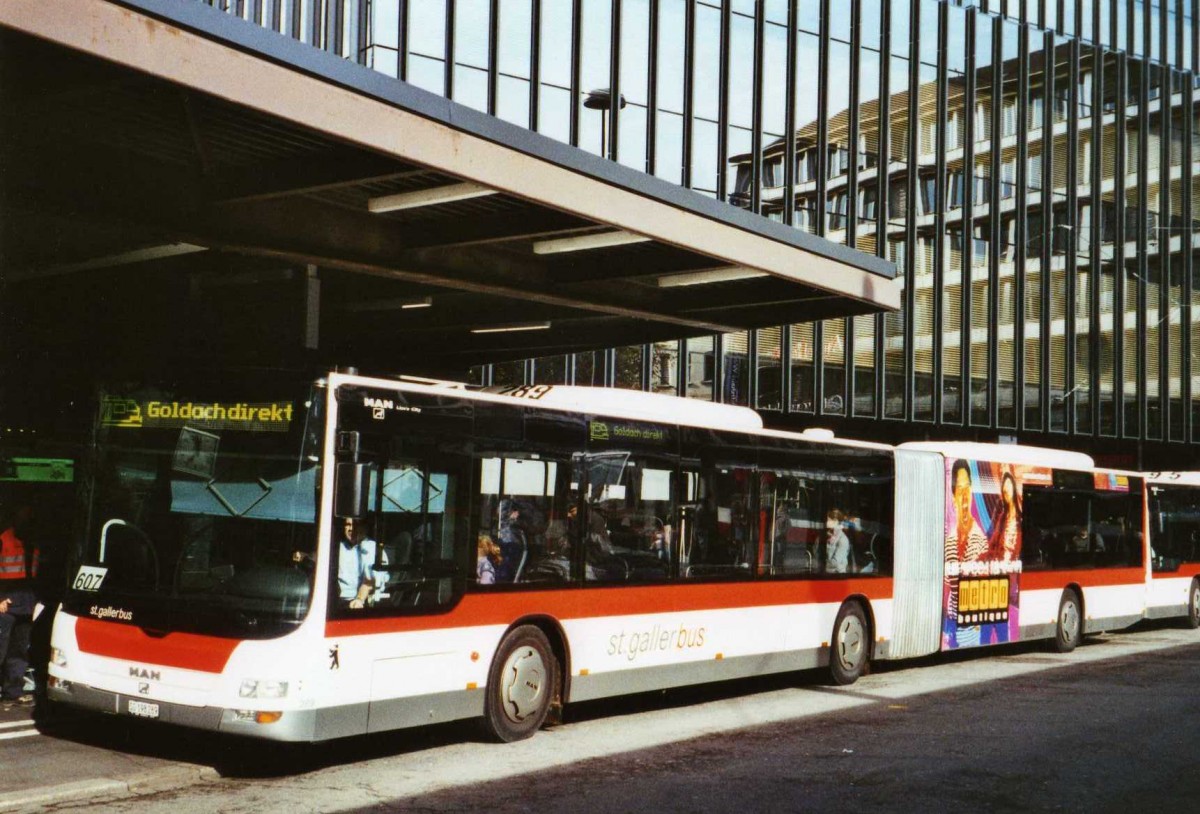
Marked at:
<point>983,551</point>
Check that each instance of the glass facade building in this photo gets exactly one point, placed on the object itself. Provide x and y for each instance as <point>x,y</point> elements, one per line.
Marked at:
<point>1027,164</point>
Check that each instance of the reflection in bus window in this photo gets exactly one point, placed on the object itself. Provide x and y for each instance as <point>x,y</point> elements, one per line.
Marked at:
<point>629,534</point>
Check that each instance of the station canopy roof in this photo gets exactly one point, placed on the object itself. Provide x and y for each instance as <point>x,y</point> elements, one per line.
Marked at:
<point>173,177</point>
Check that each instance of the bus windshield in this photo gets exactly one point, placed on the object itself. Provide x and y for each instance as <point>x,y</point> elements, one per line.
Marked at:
<point>201,511</point>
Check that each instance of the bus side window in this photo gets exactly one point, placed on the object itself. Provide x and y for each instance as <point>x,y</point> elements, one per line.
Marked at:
<point>630,531</point>
<point>791,539</point>
<point>1039,543</point>
<point>720,526</point>
<point>522,526</point>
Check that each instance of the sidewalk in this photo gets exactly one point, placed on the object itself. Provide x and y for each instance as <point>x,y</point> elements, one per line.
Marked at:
<point>72,758</point>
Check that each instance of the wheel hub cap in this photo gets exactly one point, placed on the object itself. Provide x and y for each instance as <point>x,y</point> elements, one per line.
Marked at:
<point>1070,621</point>
<point>851,641</point>
<point>522,683</point>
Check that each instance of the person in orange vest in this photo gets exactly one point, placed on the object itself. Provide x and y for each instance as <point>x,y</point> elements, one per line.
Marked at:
<point>17,600</point>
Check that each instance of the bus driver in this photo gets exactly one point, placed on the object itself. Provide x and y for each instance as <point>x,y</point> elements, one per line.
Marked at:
<point>357,579</point>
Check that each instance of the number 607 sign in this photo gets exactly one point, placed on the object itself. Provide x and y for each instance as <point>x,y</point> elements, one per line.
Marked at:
<point>89,578</point>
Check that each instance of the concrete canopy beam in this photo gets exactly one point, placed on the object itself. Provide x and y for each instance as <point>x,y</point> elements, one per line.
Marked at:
<point>355,106</point>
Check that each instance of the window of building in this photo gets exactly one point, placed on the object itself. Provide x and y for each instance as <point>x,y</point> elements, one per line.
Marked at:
<point>773,172</point>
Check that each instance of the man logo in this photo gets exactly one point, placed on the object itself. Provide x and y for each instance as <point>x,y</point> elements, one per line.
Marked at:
<point>144,687</point>
<point>142,672</point>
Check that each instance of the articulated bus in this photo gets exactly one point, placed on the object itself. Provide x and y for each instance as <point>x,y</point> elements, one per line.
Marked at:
<point>533,546</point>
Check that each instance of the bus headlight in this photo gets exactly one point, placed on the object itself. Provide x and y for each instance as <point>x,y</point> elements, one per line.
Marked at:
<point>259,688</point>
<point>58,657</point>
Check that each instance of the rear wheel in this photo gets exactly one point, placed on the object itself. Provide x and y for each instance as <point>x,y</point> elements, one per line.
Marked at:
<point>849,646</point>
<point>1193,617</point>
<point>1070,623</point>
<point>521,685</point>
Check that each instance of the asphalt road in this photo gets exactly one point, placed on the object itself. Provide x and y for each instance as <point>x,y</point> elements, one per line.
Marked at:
<point>1114,726</point>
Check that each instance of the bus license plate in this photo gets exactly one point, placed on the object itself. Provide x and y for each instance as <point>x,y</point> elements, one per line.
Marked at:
<point>143,709</point>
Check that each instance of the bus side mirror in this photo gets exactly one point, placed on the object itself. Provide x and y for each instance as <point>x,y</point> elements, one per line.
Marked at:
<point>351,489</point>
<point>347,445</point>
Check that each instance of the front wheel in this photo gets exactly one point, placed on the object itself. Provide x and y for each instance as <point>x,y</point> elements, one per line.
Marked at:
<point>849,646</point>
<point>1070,623</point>
<point>521,685</point>
<point>1193,617</point>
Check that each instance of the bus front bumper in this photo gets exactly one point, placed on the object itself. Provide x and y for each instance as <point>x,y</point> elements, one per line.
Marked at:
<point>291,725</point>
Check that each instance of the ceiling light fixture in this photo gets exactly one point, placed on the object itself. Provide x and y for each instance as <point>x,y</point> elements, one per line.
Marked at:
<point>389,305</point>
<point>726,274</point>
<point>579,243</point>
<point>428,197</point>
<point>108,261</point>
<point>512,327</point>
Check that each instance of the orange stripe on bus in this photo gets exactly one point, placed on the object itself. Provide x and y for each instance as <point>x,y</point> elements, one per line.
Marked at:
<point>501,608</point>
<point>207,654</point>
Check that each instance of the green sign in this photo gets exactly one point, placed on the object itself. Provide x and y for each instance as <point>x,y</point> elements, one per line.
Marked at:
<point>37,470</point>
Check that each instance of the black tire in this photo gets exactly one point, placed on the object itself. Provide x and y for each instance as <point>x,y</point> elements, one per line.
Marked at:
<point>850,645</point>
<point>1192,621</point>
<point>1069,627</point>
<point>521,686</point>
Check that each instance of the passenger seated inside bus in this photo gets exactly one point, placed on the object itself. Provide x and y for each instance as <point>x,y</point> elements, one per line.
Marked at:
<point>1078,543</point>
<point>555,540</point>
<point>837,544</point>
<point>625,544</point>
<point>488,556</point>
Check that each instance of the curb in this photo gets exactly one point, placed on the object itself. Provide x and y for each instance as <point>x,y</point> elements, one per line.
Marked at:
<point>167,778</point>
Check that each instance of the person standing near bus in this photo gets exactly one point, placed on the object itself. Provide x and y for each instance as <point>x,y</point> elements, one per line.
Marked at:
<point>356,574</point>
<point>17,600</point>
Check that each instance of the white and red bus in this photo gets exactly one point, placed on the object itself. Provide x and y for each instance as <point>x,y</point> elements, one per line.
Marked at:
<point>536,546</point>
